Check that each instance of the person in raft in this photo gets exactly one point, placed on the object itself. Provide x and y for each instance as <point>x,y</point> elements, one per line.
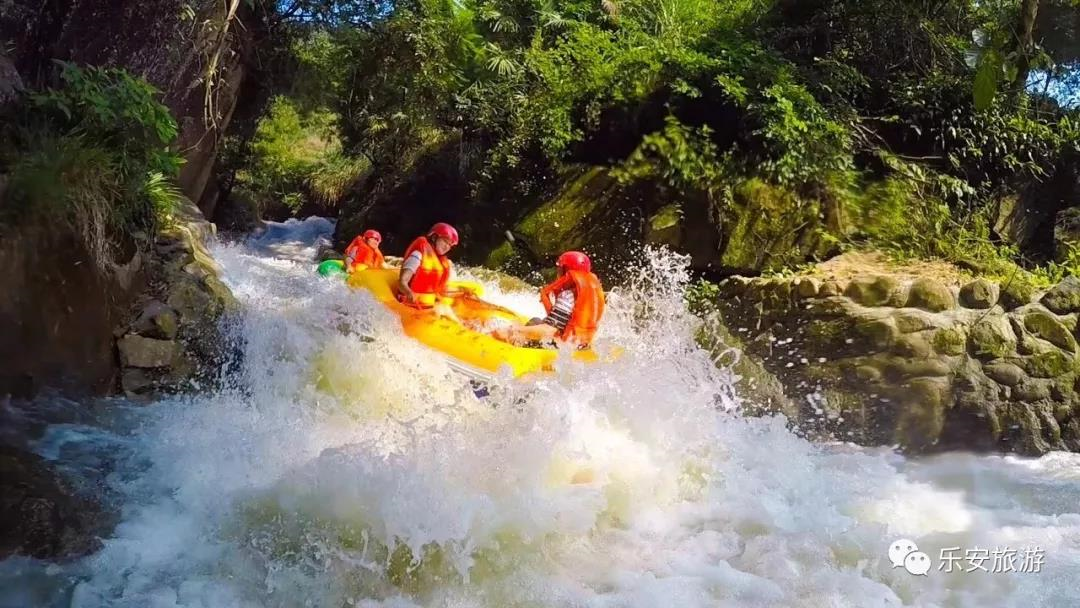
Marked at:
<point>363,252</point>
<point>574,303</point>
<point>425,269</point>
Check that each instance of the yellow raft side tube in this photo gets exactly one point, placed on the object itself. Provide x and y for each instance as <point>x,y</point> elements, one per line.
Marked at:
<point>476,349</point>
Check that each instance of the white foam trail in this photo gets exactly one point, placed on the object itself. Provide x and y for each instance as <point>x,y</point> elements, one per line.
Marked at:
<point>338,471</point>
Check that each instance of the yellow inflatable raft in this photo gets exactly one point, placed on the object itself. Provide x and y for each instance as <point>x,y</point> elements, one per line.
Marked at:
<point>474,349</point>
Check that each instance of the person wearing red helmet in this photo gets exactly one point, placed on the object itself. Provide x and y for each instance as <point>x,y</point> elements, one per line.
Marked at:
<point>574,303</point>
<point>363,252</point>
<point>425,269</point>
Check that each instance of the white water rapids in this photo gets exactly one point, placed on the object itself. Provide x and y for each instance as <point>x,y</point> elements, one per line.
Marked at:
<point>338,470</point>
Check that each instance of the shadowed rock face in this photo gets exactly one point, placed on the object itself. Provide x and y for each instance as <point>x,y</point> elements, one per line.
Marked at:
<point>39,515</point>
<point>57,312</point>
<point>57,315</point>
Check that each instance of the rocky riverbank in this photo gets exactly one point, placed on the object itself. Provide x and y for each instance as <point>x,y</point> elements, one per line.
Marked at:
<point>924,363</point>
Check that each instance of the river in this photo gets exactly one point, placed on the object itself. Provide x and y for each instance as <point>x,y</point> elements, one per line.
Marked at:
<point>345,465</point>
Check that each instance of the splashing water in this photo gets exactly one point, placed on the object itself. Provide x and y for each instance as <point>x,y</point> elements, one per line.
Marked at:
<point>346,465</point>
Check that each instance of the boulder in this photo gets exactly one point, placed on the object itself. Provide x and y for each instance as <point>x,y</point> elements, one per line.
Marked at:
<point>913,320</point>
<point>1064,297</point>
<point>1004,373</point>
<point>949,341</point>
<point>931,295</point>
<point>1017,292</point>
<point>830,288</point>
<point>991,338</point>
<point>878,334</point>
<point>156,321</point>
<point>807,287</point>
<point>137,351</point>
<point>881,290</point>
<point>1047,327</point>
<point>980,294</point>
<point>1048,364</point>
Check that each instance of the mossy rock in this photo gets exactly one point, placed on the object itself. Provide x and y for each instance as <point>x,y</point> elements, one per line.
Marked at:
<point>928,294</point>
<point>765,226</point>
<point>949,341</point>
<point>991,338</point>
<point>912,345</point>
<point>881,290</point>
<point>1004,373</point>
<point>563,222</point>
<point>825,334</point>
<point>830,288</point>
<point>807,287</point>
<point>878,334</point>
<point>1064,297</point>
<point>980,294</point>
<point>665,226</point>
<point>500,256</point>
<point>914,320</point>
<point>1017,292</point>
<point>1047,327</point>
<point>1049,364</point>
<point>922,415</point>
<point>900,368</point>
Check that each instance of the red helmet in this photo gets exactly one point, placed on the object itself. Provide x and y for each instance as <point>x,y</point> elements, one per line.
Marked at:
<point>446,231</point>
<point>372,234</point>
<point>575,260</point>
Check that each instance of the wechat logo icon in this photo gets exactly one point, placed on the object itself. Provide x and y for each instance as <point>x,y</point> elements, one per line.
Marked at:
<point>905,554</point>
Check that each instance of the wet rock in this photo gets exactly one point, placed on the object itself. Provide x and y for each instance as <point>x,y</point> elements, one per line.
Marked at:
<point>922,416</point>
<point>135,381</point>
<point>875,291</point>
<point>327,252</point>
<point>991,338</point>
<point>137,351</point>
<point>980,293</point>
<point>40,516</point>
<point>1064,297</point>
<point>1047,327</point>
<point>1005,374</point>
<point>156,321</point>
<point>931,295</point>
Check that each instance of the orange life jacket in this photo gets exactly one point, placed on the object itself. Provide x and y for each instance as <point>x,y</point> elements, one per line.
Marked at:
<point>434,272</point>
<point>588,304</point>
<point>365,254</point>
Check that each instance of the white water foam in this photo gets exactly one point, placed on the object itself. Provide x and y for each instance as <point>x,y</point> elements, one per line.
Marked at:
<point>347,465</point>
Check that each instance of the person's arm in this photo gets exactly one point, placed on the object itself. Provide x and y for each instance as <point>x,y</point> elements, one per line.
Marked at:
<point>408,268</point>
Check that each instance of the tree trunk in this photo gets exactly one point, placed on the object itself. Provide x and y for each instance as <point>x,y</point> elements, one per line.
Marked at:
<point>1025,33</point>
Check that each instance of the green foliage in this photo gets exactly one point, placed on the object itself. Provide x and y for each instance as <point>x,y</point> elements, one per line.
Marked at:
<point>297,157</point>
<point>92,156</point>
<point>877,123</point>
<point>111,106</point>
<point>681,157</point>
